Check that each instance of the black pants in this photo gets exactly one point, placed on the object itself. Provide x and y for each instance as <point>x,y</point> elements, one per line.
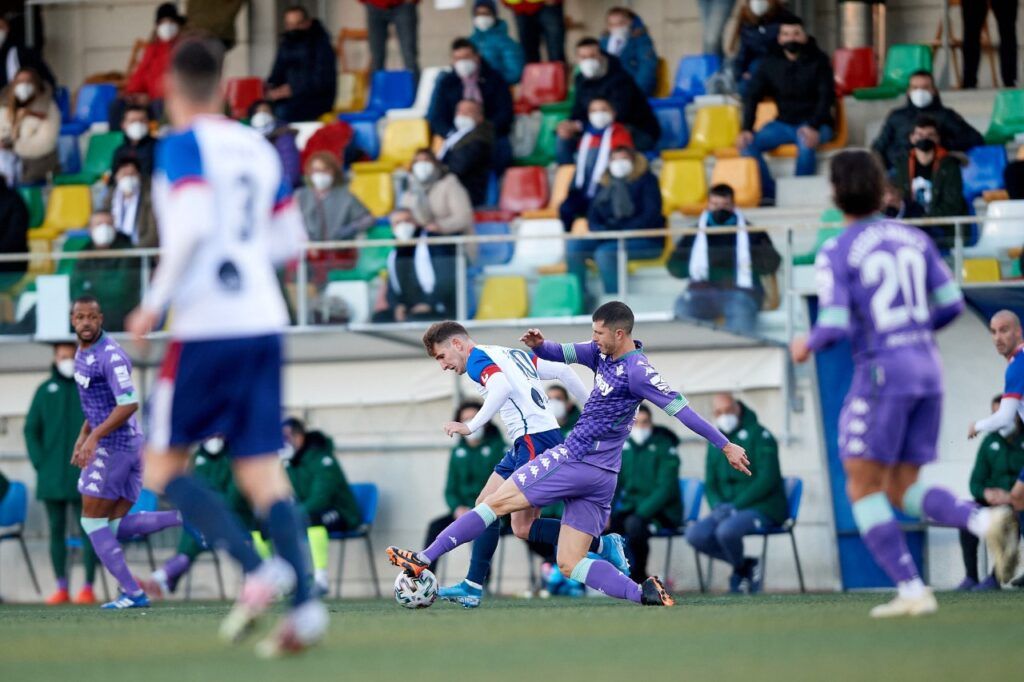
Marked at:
<point>406,20</point>
<point>636,530</point>
<point>974,13</point>
<point>549,22</point>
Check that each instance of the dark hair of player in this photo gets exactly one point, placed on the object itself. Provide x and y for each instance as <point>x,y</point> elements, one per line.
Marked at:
<point>857,182</point>
<point>997,398</point>
<point>85,299</point>
<point>196,65</point>
<point>587,42</point>
<point>615,314</point>
<point>722,190</point>
<point>460,43</point>
<point>442,332</point>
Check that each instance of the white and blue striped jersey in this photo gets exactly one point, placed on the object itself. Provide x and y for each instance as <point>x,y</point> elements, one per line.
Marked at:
<point>526,410</point>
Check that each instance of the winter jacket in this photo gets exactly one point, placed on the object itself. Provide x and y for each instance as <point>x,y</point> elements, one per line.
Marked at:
<point>955,134</point>
<point>148,76</point>
<point>447,205</point>
<point>762,491</point>
<point>997,465</point>
<point>637,56</point>
<point>757,41</point>
<point>385,4</point>
<point>469,467</point>
<point>34,129</point>
<point>142,152</point>
<point>630,103</point>
<point>305,61</point>
<point>215,470</point>
<point>51,428</point>
<point>448,93</point>
<point>649,479</point>
<point>526,7</point>
<point>803,88</point>
<point>337,216</point>
<point>319,483</point>
<point>114,281</point>
<point>441,299</point>
<point>471,159</point>
<point>646,196</point>
<point>498,49</point>
<point>22,57</point>
<point>144,233</point>
<point>283,139</point>
<point>13,228</point>
<point>947,192</point>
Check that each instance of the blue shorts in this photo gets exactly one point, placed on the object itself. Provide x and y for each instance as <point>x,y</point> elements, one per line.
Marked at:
<point>227,387</point>
<point>526,448</point>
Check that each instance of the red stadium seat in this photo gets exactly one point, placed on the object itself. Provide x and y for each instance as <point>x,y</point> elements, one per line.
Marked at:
<point>331,138</point>
<point>241,93</point>
<point>525,188</point>
<point>854,68</point>
<point>542,83</point>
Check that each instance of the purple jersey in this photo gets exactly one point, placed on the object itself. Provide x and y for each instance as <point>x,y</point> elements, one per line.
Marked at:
<point>104,376</point>
<point>883,284</point>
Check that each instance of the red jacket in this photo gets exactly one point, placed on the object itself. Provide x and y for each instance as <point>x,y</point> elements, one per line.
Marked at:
<point>148,77</point>
<point>386,4</point>
<point>526,7</point>
<point>620,138</point>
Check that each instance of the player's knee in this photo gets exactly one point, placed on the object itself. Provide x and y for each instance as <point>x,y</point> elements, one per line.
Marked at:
<point>521,527</point>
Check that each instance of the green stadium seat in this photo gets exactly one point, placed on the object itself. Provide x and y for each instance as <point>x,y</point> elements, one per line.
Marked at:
<point>1007,117</point>
<point>544,149</point>
<point>73,243</point>
<point>372,259</point>
<point>99,156</point>
<point>900,62</point>
<point>33,198</point>
<point>831,215</point>
<point>557,296</point>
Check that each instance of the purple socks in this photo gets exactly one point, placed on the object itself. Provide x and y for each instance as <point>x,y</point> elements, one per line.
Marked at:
<point>176,567</point>
<point>466,528</point>
<point>145,523</point>
<point>112,556</point>
<point>603,577</point>
<point>938,505</point>
<point>888,545</point>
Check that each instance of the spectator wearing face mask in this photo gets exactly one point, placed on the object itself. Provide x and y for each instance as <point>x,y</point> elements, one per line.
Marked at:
<point>421,276</point>
<point>929,178</point>
<point>724,269</point>
<point>562,408</point>
<point>495,45</point>
<point>758,34</point>
<point>739,503</point>
<point>114,280</point>
<point>131,207</point>
<point>955,134</point>
<point>601,134</point>
<point>145,85</point>
<point>647,495</point>
<point>628,199</point>
<point>138,144</point>
<point>474,79</point>
<point>468,151</point>
<point>29,127</point>
<point>14,55</point>
<point>279,134</point>
<point>602,77</point>
<point>436,198</point>
<point>304,79</point>
<point>627,38</point>
<point>13,234</point>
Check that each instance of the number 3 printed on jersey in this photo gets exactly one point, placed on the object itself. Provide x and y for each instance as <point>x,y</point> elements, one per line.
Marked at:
<point>901,273</point>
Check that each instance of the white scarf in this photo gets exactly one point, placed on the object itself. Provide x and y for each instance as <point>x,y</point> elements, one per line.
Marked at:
<point>13,65</point>
<point>604,153</point>
<point>699,267</point>
<point>420,263</point>
<point>452,140</point>
<point>125,209</point>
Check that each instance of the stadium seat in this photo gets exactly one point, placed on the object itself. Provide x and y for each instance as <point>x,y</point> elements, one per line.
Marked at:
<point>832,215</point>
<point>424,92</point>
<point>63,99</point>
<point>524,188</point>
<point>662,79</point>
<point>493,190</point>
<point>68,207</point>
<point>672,118</point>
<point>351,92</point>
<point>364,131</point>
<point>401,140</point>
<point>1007,117</point>
<point>541,83</point>
<point>1002,231</point>
<point>691,492</point>
<point>740,173</point>
<point>794,493</point>
<point>354,293</point>
<point>91,106</point>
<point>900,62</point>
<point>838,141</point>
<point>241,93</point>
<point>715,127</point>
<point>493,223</point>
<point>557,296</point>
<point>72,244</point>
<point>981,270</point>
<point>984,171</point>
<point>367,499</point>
<point>543,152</point>
<point>684,187</point>
<point>13,513</point>
<point>503,298</point>
<point>333,137</point>
<point>536,247</point>
<point>33,198</point>
<point>304,130</point>
<point>68,154</point>
<point>375,189</point>
<point>372,260</point>
<point>854,67</point>
<point>564,176</point>
<point>99,157</point>
<point>390,90</point>
<point>692,73</point>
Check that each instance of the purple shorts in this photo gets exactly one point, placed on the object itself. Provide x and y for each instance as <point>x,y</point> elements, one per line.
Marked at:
<point>587,490</point>
<point>890,429</point>
<point>112,475</point>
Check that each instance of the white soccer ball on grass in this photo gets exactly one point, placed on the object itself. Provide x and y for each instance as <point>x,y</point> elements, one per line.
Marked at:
<point>416,593</point>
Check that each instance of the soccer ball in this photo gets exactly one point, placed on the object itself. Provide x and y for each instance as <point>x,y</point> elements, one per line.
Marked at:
<point>416,593</point>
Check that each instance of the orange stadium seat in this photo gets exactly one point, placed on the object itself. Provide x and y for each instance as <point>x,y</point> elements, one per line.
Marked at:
<point>742,175</point>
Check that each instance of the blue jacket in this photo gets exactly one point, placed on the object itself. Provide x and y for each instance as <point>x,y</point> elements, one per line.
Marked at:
<point>448,93</point>
<point>638,56</point>
<point>500,51</point>
<point>646,196</point>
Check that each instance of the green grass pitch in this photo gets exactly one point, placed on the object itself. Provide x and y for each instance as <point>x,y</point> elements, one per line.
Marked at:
<point>774,637</point>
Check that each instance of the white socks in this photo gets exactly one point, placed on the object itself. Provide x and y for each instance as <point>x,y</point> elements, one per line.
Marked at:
<point>980,521</point>
<point>911,589</point>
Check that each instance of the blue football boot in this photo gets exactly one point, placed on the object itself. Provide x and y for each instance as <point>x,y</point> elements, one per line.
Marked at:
<point>462,593</point>
<point>124,601</point>
<point>614,552</point>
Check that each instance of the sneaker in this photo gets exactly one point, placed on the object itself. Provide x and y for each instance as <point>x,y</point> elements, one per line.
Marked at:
<point>906,606</point>
<point>85,596</point>
<point>319,590</point>
<point>300,629</point>
<point>262,587</point>
<point>406,560</point>
<point>59,597</point>
<point>126,601</point>
<point>555,581</point>
<point>736,582</point>
<point>463,593</point>
<point>614,552</point>
<point>967,584</point>
<point>755,577</point>
<point>1003,538</point>
<point>655,594</point>
<point>988,584</point>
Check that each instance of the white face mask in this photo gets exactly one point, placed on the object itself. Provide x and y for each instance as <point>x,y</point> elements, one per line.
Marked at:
<point>474,439</point>
<point>128,184</point>
<point>423,170</point>
<point>620,168</point>
<point>465,67</point>
<point>287,452</point>
<point>557,408</point>
<point>321,180</point>
<point>619,32</point>
<point>214,445</point>
<point>639,435</point>
<point>600,119</point>
<point>404,230</point>
<point>262,121</point>
<point>102,235</point>
<point>727,423</point>
<point>23,91</point>
<point>464,123</point>
<point>66,367</point>
<point>484,22</point>
<point>921,98</point>
<point>167,30</point>
<point>136,130</point>
<point>759,7</point>
<point>590,68</point>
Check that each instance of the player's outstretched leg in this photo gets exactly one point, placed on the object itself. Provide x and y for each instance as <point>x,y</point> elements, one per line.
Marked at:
<point>146,523</point>
<point>600,575</point>
<point>466,528</point>
<point>110,554</point>
<point>470,591</point>
<point>611,547</point>
<point>165,579</point>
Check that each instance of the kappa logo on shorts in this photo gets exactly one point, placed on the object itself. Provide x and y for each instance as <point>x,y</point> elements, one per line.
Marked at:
<point>92,487</point>
<point>101,452</point>
<point>856,446</point>
<point>99,464</point>
<point>556,454</point>
<point>534,469</point>
<point>522,478</point>
<point>857,426</point>
<point>859,406</point>
<point>544,461</point>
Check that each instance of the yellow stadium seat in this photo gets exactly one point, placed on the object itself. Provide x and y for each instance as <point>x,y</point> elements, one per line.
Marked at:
<point>564,176</point>
<point>662,79</point>
<point>659,262</point>
<point>39,247</point>
<point>839,141</point>
<point>401,139</point>
<point>715,127</point>
<point>742,175</point>
<point>981,270</point>
<point>351,92</point>
<point>503,298</point>
<point>683,186</point>
<point>375,189</point>
<point>68,207</point>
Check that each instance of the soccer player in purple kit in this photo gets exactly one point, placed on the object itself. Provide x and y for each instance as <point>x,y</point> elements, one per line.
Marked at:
<point>583,471</point>
<point>883,285</point>
<point>109,451</point>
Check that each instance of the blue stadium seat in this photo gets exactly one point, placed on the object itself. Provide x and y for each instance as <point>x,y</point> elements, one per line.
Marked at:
<point>794,493</point>
<point>63,99</point>
<point>13,512</point>
<point>364,131</point>
<point>68,154</point>
<point>493,190</point>
<point>691,492</point>
<point>91,106</point>
<point>984,171</point>
<point>367,498</point>
<point>672,118</point>
<point>692,72</point>
<point>494,253</point>
<point>391,90</point>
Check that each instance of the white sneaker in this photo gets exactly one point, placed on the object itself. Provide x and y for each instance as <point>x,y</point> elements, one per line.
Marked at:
<point>1003,538</point>
<point>262,587</point>
<point>300,629</point>
<point>907,606</point>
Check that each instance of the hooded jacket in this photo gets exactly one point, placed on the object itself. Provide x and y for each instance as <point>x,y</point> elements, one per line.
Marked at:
<point>148,76</point>
<point>306,62</point>
<point>34,129</point>
<point>649,479</point>
<point>955,133</point>
<point>498,49</point>
<point>448,93</point>
<point>643,191</point>
<point>998,464</point>
<point>319,483</point>
<point>803,88</point>
<point>638,57</point>
<point>471,159</point>
<point>621,91</point>
<point>51,428</point>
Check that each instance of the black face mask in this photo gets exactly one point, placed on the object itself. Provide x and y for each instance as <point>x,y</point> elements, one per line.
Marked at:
<point>296,34</point>
<point>925,145</point>
<point>793,47</point>
<point>891,211</point>
<point>722,216</point>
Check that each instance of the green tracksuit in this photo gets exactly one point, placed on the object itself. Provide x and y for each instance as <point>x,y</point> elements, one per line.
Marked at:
<point>469,467</point>
<point>215,471</point>
<point>320,485</point>
<point>649,479</point>
<point>998,464</point>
